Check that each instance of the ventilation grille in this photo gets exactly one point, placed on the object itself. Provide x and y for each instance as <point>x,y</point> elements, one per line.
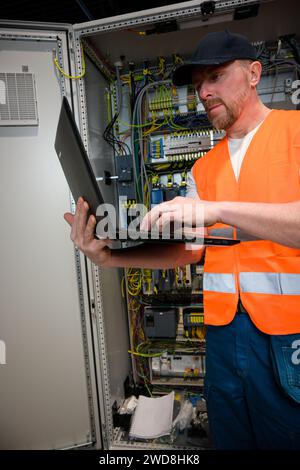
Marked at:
<point>18,100</point>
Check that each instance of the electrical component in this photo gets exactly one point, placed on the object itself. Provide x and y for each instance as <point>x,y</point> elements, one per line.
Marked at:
<point>157,149</point>
<point>182,145</point>
<point>160,323</point>
<point>157,196</point>
<point>186,142</point>
<point>178,281</point>
<point>193,322</point>
<point>191,98</point>
<point>124,171</point>
<point>178,364</point>
<point>170,180</point>
<point>182,186</point>
<point>208,8</point>
<point>188,276</point>
<point>147,282</point>
<point>170,193</point>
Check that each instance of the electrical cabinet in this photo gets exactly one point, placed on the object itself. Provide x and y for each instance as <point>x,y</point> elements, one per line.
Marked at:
<point>81,340</point>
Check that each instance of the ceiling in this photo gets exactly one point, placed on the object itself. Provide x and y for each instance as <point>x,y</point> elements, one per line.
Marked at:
<point>72,11</point>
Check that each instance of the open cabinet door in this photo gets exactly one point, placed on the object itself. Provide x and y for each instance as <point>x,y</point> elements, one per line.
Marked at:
<point>46,369</point>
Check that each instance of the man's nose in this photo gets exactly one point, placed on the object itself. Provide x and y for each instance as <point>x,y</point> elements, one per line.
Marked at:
<point>205,91</point>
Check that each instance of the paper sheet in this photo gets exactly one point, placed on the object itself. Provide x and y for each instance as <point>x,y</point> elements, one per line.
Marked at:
<point>153,417</point>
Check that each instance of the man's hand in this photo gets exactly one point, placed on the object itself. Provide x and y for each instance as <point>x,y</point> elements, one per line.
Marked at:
<point>82,235</point>
<point>183,211</point>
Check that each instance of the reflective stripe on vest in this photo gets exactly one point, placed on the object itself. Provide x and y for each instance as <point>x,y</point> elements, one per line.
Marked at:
<point>270,283</point>
<point>255,283</point>
<point>219,282</point>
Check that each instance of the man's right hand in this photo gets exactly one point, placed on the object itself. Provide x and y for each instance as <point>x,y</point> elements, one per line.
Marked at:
<point>83,235</point>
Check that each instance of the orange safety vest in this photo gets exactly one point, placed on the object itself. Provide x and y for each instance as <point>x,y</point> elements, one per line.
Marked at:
<point>264,274</point>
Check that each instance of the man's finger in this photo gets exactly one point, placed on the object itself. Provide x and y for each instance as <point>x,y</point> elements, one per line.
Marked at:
<point>89,233</point>
<point>75,222</point>
<point>164,221</point>
<point>150,218</point>
<point>145,223</point>
<point>82,219</point>
<point>106,241</point>
<point>69,218</point>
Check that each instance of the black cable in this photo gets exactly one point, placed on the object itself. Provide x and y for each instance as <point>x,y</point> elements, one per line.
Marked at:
<point>109,137</point>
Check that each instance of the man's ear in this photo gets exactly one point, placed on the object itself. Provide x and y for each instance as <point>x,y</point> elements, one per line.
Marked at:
<point>255,73</point>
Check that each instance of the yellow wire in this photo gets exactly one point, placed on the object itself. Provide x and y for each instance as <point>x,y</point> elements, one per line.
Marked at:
<point>138,126</point>
<point>144,354</point>
<point>134,282</point>
<point>72,77</point>
<point>122,287</point>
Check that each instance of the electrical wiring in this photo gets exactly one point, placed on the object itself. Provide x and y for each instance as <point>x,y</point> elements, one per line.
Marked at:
<point>122,287</point>
<point>167,347</point>
<point>109,137</point>
<point>186,122</point>
<point>136,332</point>
<point>143,129</point>
<point>138,337</point>
<point>138,118</point>
<point>109,134</point>
<point>144,354</point>
<point>162,66</point>
<point>175,126</point>
<point>134,281</point>
<point>177,60</point>
<point>71,77</point>
<point>271,61</point>
<point>135,126</point>
<point>147,197</point>
<point>146,381</point>
<point>107,130</point>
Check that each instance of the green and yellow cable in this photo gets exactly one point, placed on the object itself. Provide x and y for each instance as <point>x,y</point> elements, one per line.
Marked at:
<point>71,77</point>
<point>134,353</point>
<point>134,282</point>
<point>135,126</point>
<point>138,353</point>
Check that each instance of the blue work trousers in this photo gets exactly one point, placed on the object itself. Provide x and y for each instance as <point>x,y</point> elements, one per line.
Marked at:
<point>248,401</point>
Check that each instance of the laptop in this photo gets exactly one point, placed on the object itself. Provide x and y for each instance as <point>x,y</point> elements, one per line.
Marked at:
<point>82,182</point>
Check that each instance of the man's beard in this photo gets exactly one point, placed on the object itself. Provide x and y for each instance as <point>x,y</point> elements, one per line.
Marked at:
<point>231,112</point>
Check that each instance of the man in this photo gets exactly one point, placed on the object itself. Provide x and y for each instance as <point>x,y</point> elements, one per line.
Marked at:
<point>247,186</point>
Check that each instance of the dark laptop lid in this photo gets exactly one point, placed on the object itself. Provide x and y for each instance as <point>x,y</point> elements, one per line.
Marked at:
<point>74,160</point>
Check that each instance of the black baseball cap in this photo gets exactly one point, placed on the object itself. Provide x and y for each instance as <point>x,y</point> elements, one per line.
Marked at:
<point>215,49</point>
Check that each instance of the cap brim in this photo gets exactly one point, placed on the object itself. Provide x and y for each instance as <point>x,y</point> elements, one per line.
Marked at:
<point>183,73</point>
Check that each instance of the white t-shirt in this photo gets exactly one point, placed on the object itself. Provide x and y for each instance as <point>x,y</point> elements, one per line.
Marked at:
<point>237,149</point>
